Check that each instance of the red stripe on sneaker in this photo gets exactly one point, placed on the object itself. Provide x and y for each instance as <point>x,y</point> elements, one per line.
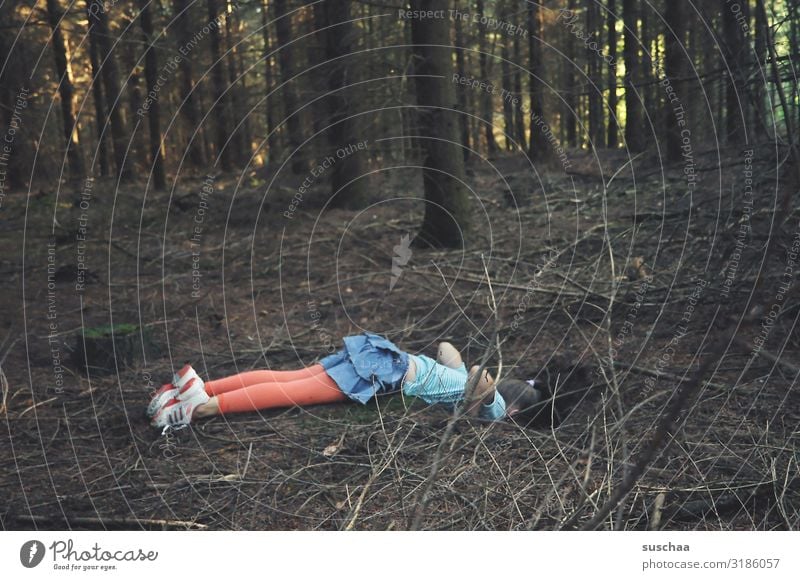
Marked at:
<point>186,368</point>
<point>187,386</point>
<point>165,388</point>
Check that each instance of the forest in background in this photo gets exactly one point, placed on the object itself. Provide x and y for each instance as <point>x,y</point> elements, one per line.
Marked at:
<point>156,90</point>
<point>601,195</point>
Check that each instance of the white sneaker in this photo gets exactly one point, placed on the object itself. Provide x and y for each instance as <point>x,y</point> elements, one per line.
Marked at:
<point>171,390</point>
<point>177,412</point>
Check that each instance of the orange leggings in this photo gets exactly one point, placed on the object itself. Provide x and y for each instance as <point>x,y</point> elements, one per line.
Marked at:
<point>254,390</point>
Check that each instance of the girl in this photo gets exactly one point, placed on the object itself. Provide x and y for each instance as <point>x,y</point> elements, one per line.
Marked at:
<point>367,365</point>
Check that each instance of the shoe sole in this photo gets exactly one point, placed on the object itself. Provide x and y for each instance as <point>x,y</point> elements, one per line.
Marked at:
<point>159,400</point>
<point>180,380</point>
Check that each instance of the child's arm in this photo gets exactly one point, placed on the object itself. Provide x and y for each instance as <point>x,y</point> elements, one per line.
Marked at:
<point>492,406</point>
<point>449,356</point>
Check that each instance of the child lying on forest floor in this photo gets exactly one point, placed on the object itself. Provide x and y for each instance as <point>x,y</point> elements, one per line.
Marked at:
<point>367,365</point>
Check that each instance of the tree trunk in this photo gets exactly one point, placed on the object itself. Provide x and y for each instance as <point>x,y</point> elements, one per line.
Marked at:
<point>98,27</point>
<point>487,106</point>
<point>189,96</point>
<point>507,83</point>
<point>461,95</point>
<point>570,106</point>
<point>283,28</point>
<point>760,53</point>
<point>634,128</point>
<point>508,88</point>
<point>99,108</point>
<point>349,185</point>
<point>66,91</point>
<point>733,49</point>
<point>593,69</point>
<point>240,148</point>
<point>794,51</point>
<point>317,83</point>
<point>14,78</point>
<point>446,221</point>
<point>136,156</point>
<point>650,91</point>
<point>220,106</point>
<point>673,71</point>
<point>519,115</point>
<point>272,103</point>
<point>612,139</point>
<point>247,126</point>
<point>791,137</point>
<point>154,113</point>
<point>538,147</point>
<point>473,106</point>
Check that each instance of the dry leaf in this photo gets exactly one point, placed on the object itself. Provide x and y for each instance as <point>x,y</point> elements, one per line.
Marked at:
<point>334,448</point>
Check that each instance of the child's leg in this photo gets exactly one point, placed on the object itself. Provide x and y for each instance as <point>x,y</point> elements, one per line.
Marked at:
<point>314,390</point>
<point>249,378</point>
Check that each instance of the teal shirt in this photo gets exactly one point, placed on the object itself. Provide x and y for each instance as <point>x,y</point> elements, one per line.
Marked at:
<point>437,384</point>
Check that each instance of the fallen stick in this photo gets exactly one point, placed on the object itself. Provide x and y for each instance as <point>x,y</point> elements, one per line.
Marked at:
<point>50,400</point>
<point>116,521</point>
<point>770,357</point>
<point>666,428</point>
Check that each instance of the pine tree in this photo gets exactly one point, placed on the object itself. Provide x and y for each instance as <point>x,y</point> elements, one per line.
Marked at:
<point>634,125</point>
<point>446,221</point>
<point>154,112</point>
<point>66,90</point>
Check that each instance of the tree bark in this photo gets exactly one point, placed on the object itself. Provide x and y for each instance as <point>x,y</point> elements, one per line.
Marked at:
<point>66,91</point>
<point>272,103</point>
<point>570,106</point>
<point>612,139</point>
<point>791,137</point>
<point>487,105</point>
<point>446,221</point>
<point>507,81</point>
<point>519,116</point>
<point>760,53</point>
<point>189,96</point>
<point>241,67</point>
<point>538,147</point>
<point>131,87</point>
<point>220,106</point>
<point>794,50</point>
<point>735,101</point>
<point>508,88</point>
<point>461,95</point>
<point>240,145</point>
<point>294,124</point>
<point>154,113</point>
<point>349,185</point>
<point>99,108</point>
<point>14,78</point>
<point>634,128</point>
<point>673,71</point>
<point>98,28</point>
<point>594,29</point>
<point>650,92</point>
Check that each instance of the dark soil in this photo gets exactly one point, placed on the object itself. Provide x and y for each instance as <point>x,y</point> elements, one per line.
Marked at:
<point>279,292</point>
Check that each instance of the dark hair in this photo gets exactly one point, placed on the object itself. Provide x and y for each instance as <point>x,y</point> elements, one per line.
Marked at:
<point>521,395</point>
<point>562,384</point>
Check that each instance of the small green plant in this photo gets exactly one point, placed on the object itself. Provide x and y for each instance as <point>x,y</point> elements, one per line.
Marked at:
<point>110,330</point>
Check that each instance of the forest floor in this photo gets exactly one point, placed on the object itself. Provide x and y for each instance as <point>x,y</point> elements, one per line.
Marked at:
<point>230,281</point>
